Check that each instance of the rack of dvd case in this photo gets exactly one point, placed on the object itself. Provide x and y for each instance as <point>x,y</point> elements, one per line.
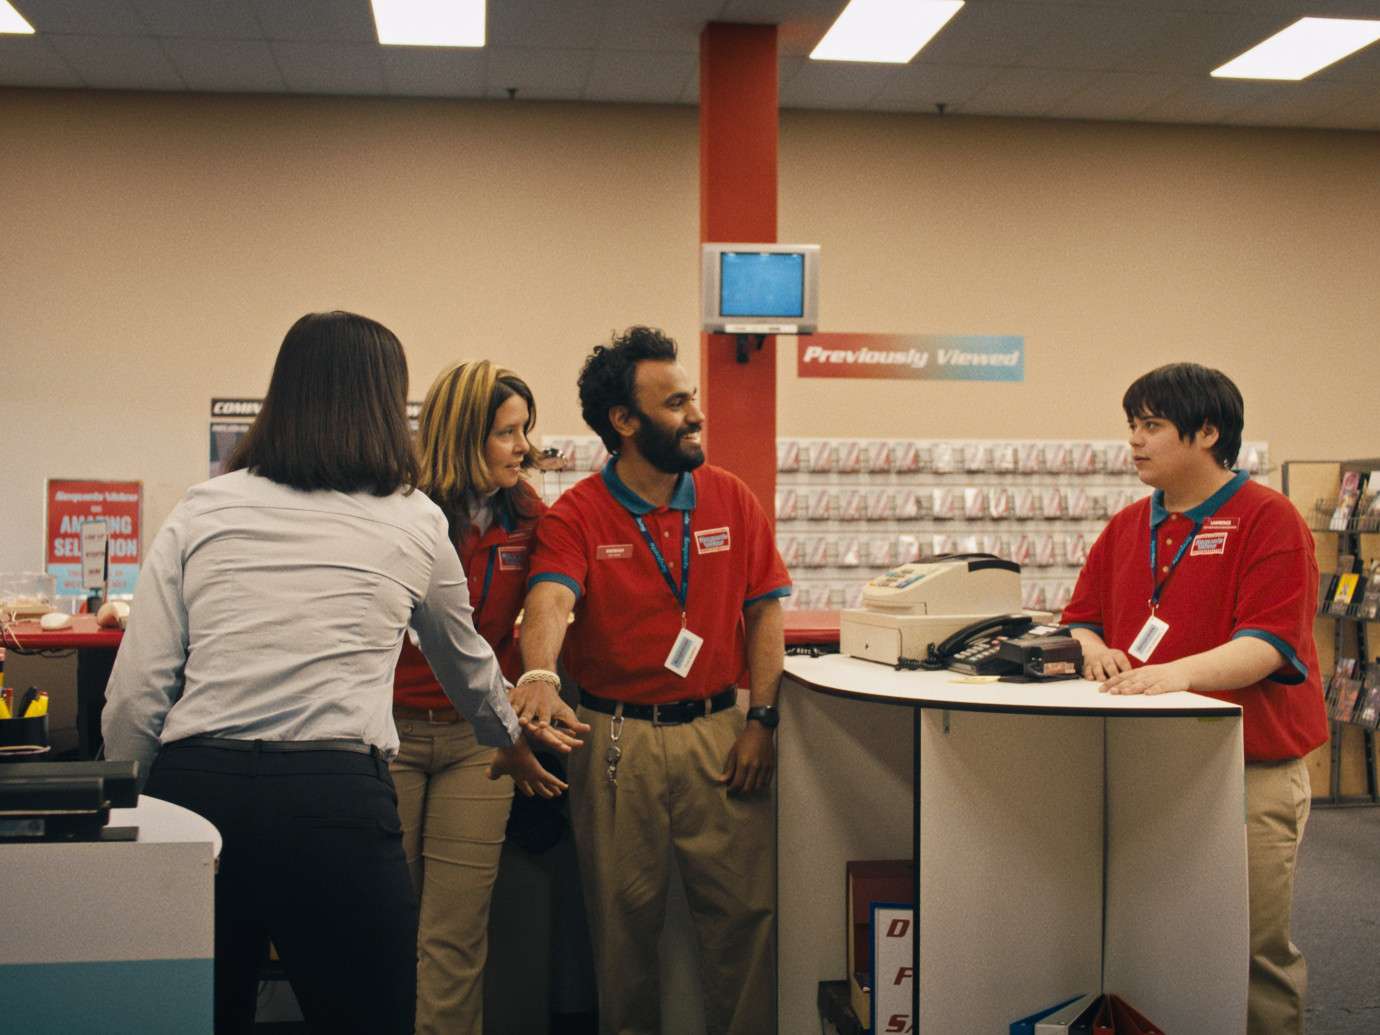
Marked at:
<point>1350,595</point>
<point>848,509</point>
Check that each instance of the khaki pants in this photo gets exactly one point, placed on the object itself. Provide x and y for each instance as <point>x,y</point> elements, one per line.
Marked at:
<point>453,820</point>
<point>1277,805</point>
<point>669,799</point>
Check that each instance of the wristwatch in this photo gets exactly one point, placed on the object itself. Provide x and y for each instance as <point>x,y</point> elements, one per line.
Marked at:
<point>766,714</point>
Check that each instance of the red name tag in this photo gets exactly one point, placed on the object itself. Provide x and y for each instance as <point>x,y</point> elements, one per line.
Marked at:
<point>712,540</point>
<point>613,552</point>
<point>511,558</point>
<point>1221,524</point>
<point>1208,543</point>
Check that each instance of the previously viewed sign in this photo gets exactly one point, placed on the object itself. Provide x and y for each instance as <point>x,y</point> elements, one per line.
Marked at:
<point>930,357</point>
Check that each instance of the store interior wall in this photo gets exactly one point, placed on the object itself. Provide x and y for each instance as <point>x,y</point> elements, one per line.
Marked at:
<point>155,248</point>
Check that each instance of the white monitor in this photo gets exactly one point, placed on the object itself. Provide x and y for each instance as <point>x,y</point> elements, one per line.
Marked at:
<point>760,288</point>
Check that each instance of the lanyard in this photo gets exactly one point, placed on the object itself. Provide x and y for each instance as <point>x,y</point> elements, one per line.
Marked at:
<point>478,603</point>
<point>1173,565</point>
<point>681,592</point>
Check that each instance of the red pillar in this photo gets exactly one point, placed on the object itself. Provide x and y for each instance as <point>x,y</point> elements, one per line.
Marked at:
<point>738,129</point>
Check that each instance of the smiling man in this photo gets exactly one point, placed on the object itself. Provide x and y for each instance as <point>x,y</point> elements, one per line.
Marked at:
<point>1210,585</point>
<point>669,568</point>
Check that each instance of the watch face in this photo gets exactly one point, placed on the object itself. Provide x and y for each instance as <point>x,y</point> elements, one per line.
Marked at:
<point>766,715</point>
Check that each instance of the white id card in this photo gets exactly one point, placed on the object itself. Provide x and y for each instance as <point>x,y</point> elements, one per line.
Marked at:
<point>683,652</point>
<point>1148,638</point>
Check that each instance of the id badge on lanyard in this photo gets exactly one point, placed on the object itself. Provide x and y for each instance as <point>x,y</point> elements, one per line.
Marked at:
<point>1155,627</point>
<point>686,647</point>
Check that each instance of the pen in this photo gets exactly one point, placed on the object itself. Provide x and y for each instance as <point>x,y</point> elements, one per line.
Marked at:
<point>38,707</point>
<point>22,708</point>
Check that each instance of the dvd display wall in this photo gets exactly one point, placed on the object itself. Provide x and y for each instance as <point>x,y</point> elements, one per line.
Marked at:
<point>848,509</point>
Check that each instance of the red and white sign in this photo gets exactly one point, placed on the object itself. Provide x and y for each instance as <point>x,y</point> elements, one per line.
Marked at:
<point>70,503</point>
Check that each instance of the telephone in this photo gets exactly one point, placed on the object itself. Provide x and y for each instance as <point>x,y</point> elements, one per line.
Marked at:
<point>1009,645</point>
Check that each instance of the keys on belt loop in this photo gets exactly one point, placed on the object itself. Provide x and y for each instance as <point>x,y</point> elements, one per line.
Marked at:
<point>614,753</point>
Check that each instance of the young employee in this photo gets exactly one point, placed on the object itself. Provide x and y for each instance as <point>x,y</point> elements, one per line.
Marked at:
<point>474,447</point>
<point>1210,585</point>
<point>256,677</point>
<point>672,575</point>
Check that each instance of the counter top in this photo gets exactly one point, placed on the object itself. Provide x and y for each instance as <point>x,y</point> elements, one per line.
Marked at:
<point>871,681</point>
<point>83,632</point>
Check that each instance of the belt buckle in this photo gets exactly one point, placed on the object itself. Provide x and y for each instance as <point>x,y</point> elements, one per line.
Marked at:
<point>656,717</point>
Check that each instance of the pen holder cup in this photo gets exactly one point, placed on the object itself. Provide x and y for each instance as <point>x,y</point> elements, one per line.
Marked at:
<point>23,738</point>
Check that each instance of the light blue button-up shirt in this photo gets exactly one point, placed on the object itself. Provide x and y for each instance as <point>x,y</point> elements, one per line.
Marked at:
<point>268,613</point>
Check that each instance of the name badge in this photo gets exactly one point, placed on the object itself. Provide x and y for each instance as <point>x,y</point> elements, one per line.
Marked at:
<point>1208,543</point>
<point>510,558</point>
<point>683,652</point>
<point>713,540</point>
<point>1148,638</point>
<point>613,552</point>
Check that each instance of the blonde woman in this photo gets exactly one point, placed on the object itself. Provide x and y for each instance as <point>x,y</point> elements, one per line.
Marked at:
<point>474,448</point>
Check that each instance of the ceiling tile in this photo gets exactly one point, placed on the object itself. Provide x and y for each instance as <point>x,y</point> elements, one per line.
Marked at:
<point>1195,42</point>
<point>1361,67</point>
<point>919,87</point>
<point>649,25</point>
<point>1117,95</point>
<point>800,24</point>
<point>340,21</point>
<point>203,19</point>
<point>347,68</point>
<point>538,73</point>
<point>1092,37</point>
<point>434,71</point>
<point>1208,101</point>
<point>82,17</point>
<point>989,34</point>
<point>1026,91</point>
<point>1299,104</point>
<point>1363,113</point>
<point>226,66</point>
<point>835,84</point>
<point>541,23</point>
<point>625,75</point>
<point>119,62</point>
<point>32,61</point>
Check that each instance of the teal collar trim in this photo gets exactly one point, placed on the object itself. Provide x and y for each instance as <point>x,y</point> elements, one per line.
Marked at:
<point>682,498</point>
<point>1202,511</point>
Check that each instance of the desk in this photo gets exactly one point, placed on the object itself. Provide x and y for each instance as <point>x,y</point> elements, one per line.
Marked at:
<point>111,936</point>
<point>1067,841</point>
<point>95,649</point>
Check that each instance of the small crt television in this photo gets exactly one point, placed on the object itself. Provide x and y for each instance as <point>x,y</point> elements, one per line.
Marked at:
<point>760,288</point>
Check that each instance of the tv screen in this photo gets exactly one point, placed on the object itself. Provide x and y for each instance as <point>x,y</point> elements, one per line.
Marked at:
<point>762,284</point>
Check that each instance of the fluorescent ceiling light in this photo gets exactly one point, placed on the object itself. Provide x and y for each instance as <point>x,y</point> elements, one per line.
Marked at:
<point>1303,48</point>
<point>11,21</point>
<point>430,23</point>
<point>888,31</point>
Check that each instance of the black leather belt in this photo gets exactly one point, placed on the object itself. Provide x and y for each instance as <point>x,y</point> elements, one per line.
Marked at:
<point>274,745</point>
<point>672,713</point>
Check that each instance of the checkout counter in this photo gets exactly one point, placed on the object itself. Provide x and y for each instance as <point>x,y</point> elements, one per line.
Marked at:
<point>1066,841</point>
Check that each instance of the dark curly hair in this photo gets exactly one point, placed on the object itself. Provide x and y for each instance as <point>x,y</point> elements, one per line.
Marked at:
<point>608,375</point>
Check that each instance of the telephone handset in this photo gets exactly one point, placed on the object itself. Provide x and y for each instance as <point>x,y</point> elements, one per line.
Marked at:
<point>965,645</point>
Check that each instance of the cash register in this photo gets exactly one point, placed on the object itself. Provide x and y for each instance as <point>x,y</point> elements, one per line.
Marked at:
<point>66,801</point>
<point>959,611</point>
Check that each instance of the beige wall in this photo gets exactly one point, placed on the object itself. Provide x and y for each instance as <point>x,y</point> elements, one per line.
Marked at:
<point>153,249</point>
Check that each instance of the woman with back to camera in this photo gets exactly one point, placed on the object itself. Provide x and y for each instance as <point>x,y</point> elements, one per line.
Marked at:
<point>474,445</point>
<point>255,678</point>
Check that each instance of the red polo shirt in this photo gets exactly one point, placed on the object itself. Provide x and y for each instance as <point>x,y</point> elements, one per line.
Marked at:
<point>1249,570</point>
<point>495,566</point>
<point>626,617</point>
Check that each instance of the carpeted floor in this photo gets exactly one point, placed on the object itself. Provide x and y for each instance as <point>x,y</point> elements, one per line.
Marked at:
<point>1337,920</point>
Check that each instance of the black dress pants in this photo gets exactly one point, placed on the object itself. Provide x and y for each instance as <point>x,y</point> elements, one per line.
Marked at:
<point>312,859</point>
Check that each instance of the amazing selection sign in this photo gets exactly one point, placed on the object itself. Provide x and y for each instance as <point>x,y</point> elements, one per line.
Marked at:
<point>927,357</point>
<point>71,503</point>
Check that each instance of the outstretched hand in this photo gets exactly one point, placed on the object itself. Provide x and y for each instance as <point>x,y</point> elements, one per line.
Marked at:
<point>529,776</point>
<point>546,719</point>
